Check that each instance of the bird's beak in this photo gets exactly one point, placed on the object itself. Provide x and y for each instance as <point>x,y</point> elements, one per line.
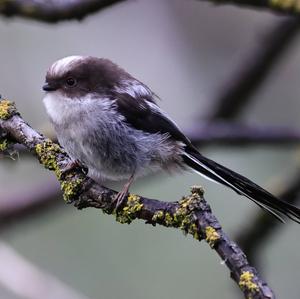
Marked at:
<point>50,86</point>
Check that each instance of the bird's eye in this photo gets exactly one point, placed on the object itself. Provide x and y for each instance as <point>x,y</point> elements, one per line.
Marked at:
<point>71,82</point>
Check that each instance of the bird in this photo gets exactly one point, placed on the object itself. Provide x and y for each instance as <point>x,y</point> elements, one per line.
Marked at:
<point>110,122</point>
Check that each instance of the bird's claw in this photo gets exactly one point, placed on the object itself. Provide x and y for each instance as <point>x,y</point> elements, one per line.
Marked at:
<point>73,165</point>
<point>120,199</point>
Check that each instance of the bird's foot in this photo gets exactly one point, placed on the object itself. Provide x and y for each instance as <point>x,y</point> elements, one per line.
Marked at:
<point>121,199</point>
<point>122,196</point>
<point>73,165</point>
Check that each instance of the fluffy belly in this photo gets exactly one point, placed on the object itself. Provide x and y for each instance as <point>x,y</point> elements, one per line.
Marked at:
<point>93,132</point>
<point>117,151</point>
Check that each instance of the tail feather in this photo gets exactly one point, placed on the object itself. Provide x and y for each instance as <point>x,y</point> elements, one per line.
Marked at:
<point>241,185</point>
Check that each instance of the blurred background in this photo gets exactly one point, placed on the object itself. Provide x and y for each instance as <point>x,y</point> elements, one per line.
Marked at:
<point>189,53</point>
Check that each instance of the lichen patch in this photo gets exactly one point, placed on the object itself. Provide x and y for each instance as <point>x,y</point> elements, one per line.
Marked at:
<point>7,109</point>
<point>246,282</point>
<point>129,212</point>
<point>212,236</point>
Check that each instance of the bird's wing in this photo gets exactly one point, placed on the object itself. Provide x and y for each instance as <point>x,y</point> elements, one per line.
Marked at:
<point>142,113</point>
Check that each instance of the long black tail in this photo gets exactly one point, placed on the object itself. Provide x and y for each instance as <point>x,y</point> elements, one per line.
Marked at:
<point>240,184</point>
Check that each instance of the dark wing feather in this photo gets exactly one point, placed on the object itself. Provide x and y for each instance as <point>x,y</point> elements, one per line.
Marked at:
<point>143,114</point>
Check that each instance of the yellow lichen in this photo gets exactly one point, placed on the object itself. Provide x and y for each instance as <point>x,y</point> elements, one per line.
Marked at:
<point>158,215</point>
<point>183,217</point>
<point>286,4</point>
<point>184,214</point>
<point>3,145</point>
<point>169,221</point>
<point>193,230</point>
<point>70,188</point>
<point>7,109</point>
<point>246,282</point>
<point>212,236</point>
<point>129,212</point>
<point>47,152</point>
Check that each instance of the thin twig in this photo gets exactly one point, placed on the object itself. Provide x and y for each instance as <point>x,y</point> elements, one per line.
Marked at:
<point>53,11</point>
<point>192,214</point>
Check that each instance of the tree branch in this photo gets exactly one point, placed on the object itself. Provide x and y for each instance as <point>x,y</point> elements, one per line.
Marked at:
<point>237,134</point>
<point>191,214</point>
<point>238,90</point>
<point>53,11</point>
<point>27,204</point>
<point>279,6</point>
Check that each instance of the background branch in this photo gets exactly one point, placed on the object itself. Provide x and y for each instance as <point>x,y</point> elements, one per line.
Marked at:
<point>262,227</point>
<point>248,77</point>
<point>282,6</point>
<point>236,95</point>
<point>53,11</point>
<point>192,214</point>
<point>237,134</point>
<point>24,279</point>
<point>18,206</point>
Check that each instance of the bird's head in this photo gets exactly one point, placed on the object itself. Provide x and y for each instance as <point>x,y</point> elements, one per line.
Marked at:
<point>78,76</point>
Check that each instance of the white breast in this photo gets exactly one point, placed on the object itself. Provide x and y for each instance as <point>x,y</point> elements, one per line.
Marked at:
<point>58,107</point>
<point>61,108</point>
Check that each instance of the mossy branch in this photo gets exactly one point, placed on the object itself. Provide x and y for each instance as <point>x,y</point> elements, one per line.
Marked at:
<point>53,11</point>
<point>56,10</point>
<point>280,6</point>
<point>191,214</point>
